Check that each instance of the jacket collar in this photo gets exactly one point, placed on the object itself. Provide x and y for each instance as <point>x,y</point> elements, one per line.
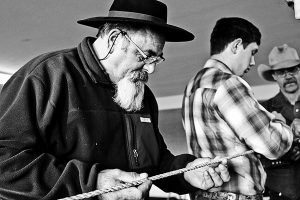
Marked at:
<point>91,62</point>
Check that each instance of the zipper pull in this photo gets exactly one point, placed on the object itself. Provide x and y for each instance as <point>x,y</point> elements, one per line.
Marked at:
<point>136,156</point>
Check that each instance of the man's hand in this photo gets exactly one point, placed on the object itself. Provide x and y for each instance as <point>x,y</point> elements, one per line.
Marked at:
<point>113,177</point>
<point>207,177</point>
<point>279,116</point>
<point>296,129</point>
<point>294,152</point>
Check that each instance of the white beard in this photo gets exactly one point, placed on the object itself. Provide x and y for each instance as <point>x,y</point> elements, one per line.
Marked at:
<point>130,91</point>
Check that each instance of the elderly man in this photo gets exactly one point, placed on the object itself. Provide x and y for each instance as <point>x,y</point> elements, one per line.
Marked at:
<point>283,175</point>
<point>82,119</point>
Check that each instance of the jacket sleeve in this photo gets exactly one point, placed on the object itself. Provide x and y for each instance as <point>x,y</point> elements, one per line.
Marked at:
<point>168,161</point>
<point>28,169</point>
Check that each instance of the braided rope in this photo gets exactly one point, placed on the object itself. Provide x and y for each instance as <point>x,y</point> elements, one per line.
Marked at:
<point>152,178</point>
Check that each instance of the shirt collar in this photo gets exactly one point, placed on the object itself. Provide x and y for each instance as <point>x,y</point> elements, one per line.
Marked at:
<point>218,64</point>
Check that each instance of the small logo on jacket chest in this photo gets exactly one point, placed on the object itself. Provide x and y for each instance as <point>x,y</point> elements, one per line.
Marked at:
<point>145,119</point>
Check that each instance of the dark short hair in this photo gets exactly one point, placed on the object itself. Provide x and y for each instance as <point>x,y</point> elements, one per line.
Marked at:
<point>228,29</point>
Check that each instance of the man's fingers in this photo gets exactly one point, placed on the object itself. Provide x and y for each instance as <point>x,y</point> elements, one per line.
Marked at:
<point>224,173</point>
<point>295,155</point>
<point>217,181</point>
<point>131,176</point>
<point>145,187</point>
<point>115,177</point>
<point>208,180</point>
<point>224,161</point>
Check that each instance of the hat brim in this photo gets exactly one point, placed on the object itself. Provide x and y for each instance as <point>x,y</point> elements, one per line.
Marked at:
<point>172,33</point>
<point>265,71</point>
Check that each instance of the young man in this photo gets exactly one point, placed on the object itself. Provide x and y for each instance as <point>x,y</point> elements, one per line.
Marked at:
<point>283,175</point>
<point>81,119</point>
<point>221,117</point>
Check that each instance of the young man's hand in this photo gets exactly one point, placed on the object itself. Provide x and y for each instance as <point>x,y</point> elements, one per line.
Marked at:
<point>207,177</point>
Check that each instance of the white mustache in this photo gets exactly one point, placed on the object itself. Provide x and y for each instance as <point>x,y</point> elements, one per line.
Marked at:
<point>139,76</point>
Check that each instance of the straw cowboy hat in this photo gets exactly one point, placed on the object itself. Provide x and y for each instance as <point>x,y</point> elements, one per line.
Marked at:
<point>148,12</point>
<point>280,57</point>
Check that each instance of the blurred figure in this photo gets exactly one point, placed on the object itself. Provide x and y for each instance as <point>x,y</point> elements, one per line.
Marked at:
<point>222,117</point>
<point>295,5</point>
<point>283,175</point>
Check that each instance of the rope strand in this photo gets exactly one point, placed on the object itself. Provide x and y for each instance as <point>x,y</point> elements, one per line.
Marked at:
<point>152,178</point>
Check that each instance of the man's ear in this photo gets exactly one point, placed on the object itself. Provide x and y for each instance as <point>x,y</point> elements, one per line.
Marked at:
<point>111,39</point>
<point>274,77</point>
<point>236,44</point>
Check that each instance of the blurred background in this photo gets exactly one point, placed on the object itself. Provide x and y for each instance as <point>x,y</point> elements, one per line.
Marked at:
<point>31,27</point>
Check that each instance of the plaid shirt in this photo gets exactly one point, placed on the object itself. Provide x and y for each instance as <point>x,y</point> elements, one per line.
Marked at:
<point>221,117</point>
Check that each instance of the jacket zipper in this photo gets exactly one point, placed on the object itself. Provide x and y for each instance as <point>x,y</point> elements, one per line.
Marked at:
<point>136,157</point>
<point>133,155</point>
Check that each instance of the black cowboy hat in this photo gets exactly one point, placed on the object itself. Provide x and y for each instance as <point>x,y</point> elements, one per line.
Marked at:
<point>149,12</point>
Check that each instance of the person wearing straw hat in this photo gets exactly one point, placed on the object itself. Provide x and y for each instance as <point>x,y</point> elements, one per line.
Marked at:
<point>283,175</point>
<point>80,119</point>
<point>221,116</point>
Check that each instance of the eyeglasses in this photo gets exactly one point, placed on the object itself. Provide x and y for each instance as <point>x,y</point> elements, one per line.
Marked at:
<point>283,72</point>
<point>146,59</point>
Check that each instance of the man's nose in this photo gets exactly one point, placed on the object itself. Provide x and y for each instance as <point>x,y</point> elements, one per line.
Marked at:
<point>252,61</point>
<point>150,68</point>
<point>288,73</point>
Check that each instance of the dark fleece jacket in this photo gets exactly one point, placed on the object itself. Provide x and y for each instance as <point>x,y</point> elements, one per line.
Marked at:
<point>59,127</point>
